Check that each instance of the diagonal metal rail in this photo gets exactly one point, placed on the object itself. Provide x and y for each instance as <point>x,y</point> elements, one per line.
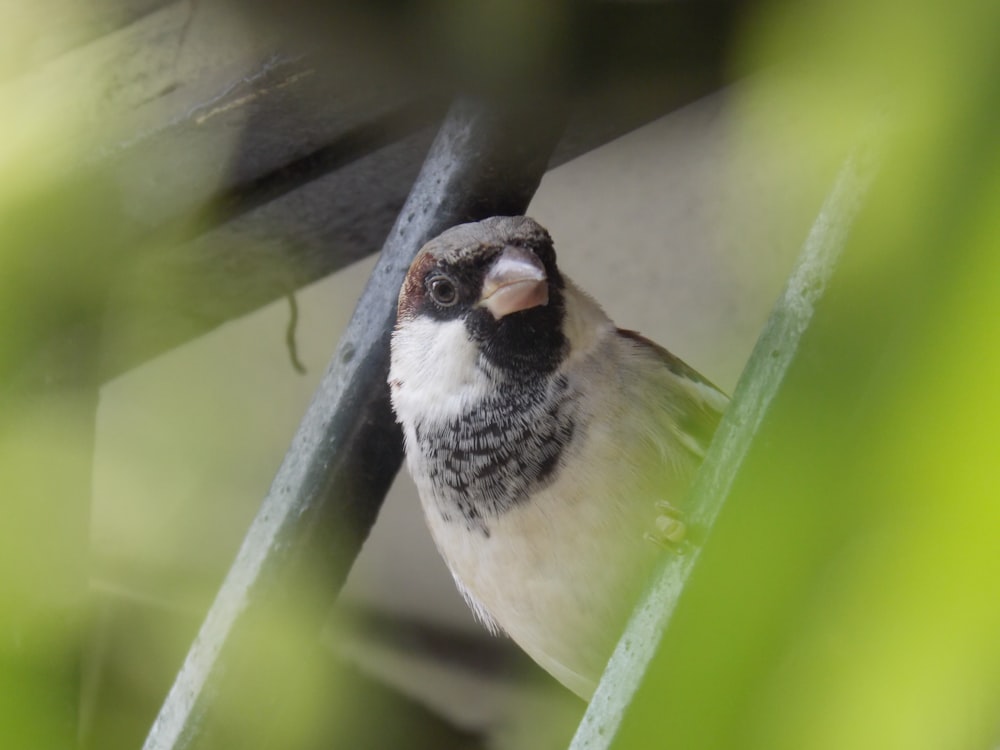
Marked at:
<point>759,383</point>
<point>487,159</point>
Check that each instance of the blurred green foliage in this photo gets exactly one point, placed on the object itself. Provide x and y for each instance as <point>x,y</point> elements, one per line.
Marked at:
<point>50,256</point>
<point>63,244</point>
<point>848,596</point>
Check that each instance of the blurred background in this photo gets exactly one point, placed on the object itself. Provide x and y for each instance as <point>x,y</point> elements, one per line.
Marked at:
<point>192,195</point>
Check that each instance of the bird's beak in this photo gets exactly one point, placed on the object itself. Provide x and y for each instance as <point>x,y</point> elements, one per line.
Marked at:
<point>516,282</point>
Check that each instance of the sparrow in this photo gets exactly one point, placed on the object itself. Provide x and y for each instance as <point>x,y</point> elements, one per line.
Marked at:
<point>551,450</point>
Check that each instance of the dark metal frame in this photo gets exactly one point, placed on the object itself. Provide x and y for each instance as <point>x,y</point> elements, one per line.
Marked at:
<point>302,145</point>
<point>487,160</point>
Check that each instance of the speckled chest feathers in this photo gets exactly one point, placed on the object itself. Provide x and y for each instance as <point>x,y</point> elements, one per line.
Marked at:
<point>475,378</point>
<point>491,457</point>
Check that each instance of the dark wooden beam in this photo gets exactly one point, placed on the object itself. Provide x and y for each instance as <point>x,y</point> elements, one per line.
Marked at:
<point>487,159</point>
<point>245,164</point>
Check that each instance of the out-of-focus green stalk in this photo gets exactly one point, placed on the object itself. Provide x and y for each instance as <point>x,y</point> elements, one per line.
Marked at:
<point>759,383</point>
<point>848,594</point>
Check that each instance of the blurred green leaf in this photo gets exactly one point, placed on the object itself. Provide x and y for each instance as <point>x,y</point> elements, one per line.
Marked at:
<point>848,595</point>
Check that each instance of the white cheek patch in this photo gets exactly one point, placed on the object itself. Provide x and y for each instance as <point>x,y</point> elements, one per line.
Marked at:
<point>434,370</point>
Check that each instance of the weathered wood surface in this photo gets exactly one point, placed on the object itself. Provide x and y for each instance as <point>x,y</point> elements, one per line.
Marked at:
<point>328,490</point>
<point>244,158</point>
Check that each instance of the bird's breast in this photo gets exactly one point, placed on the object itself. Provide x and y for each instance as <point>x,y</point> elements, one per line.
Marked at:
<point>558,570</point>
<point>498,453</point>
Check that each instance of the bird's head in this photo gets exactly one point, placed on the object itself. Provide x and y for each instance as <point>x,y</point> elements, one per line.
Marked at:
<point>498,279</point>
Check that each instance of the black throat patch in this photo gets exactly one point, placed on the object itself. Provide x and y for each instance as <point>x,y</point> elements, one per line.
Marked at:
<point>494,456</point>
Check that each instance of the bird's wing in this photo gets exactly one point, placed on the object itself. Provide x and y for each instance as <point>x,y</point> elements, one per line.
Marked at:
<point>693,403</point>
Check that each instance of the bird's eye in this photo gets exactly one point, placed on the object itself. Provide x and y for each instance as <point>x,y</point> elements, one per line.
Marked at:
<point>443,291</point>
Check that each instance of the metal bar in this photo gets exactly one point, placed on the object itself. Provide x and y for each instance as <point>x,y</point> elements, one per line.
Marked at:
<point>759,383</point>
<point>230,132</point>
<point>486,160</point>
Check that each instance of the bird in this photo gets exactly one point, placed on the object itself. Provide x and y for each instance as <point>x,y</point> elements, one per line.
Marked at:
<point>551,450</point>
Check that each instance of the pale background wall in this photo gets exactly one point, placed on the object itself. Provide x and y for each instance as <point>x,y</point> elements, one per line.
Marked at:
<point>684,230</point>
